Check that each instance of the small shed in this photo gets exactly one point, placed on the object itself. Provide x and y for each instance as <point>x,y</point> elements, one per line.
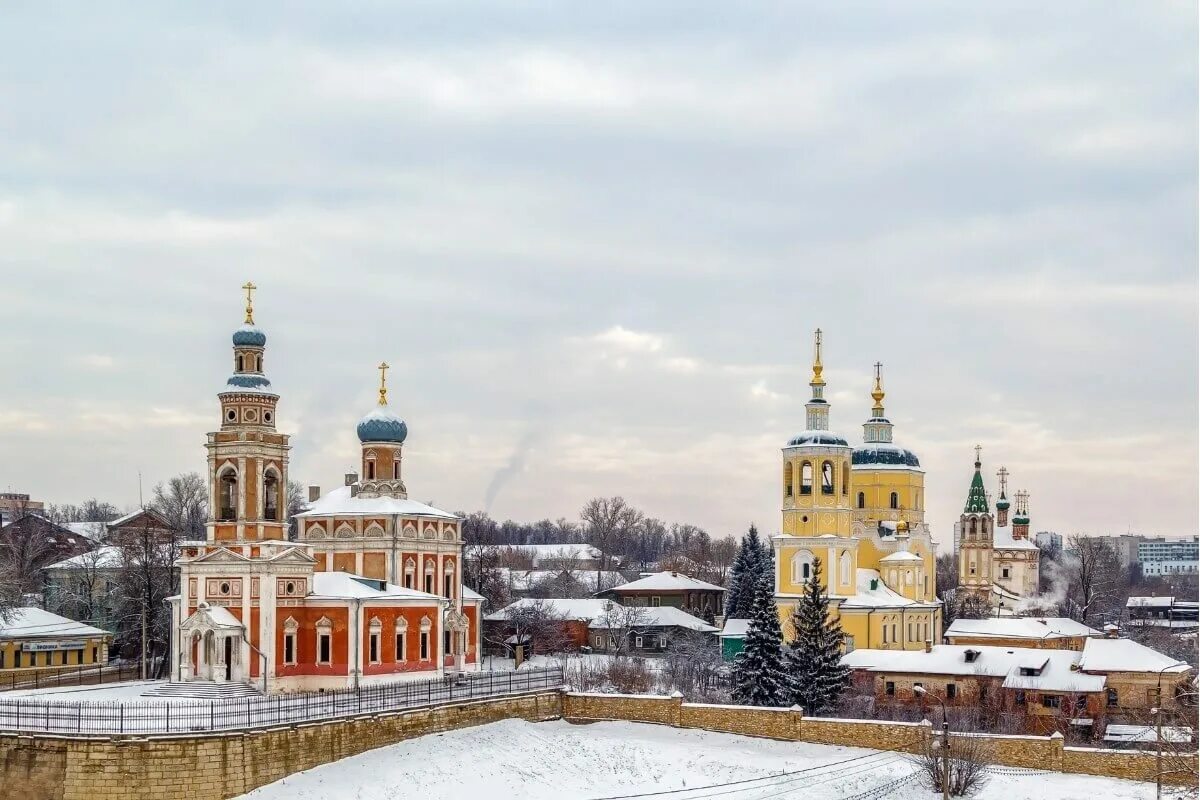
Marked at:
<point>733,638</point>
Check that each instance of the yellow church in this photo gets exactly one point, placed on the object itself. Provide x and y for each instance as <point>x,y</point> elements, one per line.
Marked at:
<point>861,511</point>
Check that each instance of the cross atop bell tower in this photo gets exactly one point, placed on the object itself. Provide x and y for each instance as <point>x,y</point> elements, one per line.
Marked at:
<point>249,287</point>
<point>383,368</point>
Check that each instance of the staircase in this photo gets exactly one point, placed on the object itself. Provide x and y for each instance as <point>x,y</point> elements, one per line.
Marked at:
<point>203,690</point>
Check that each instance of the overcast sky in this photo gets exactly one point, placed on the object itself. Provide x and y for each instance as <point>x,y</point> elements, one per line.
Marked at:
<point>593,239</point>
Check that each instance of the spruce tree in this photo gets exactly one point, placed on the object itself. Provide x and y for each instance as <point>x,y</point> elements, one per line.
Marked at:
<point>743,576</point>
<point>758,673</point>
<point>814,662</point>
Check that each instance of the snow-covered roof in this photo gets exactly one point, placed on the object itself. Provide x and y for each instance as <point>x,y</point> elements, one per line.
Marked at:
<point>653,616</point>
<point>666,582</point>
<point>590,579</point>
<point>735,627</point>
<point>1125,655</point>
<point>343,585</point>
<point>217,616</point>
<point>584,609</point>
<point>1020,628</point>
<point>470,594</point>
<point>1146,733</point>
<point>106,557</point>
<point>36,623</point>
<point>900,555</point>
<point>1002,539</point>
<point>1149,602</point>
<point>878,597</point>
<point>134,515</point>
<point>89,530</point>
<point>574,550</point>
<point>601,614</point>
<point>339,502</point>
<point>1053,668</point>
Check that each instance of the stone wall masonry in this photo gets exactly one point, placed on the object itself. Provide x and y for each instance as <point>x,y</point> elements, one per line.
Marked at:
<point>224,765</point>
<point>789,724</point>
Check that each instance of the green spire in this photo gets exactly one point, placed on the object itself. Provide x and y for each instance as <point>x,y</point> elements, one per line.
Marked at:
<point>976,496</point>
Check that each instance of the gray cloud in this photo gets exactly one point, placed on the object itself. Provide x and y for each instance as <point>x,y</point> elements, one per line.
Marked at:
<point>632,216</point>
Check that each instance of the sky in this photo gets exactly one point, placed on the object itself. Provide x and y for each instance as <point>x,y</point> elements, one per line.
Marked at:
<point>593,241</point>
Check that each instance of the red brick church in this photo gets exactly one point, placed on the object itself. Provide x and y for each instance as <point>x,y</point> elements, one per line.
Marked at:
<point>370,593</point>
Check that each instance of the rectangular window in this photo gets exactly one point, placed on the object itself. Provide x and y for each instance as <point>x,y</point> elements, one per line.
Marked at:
<point>445,641</point>
<point>637,642</point>
<point>951,691</point>
<point>894,639</point>
<point>374,648</point>
<point>17,659</point>
<point>889,688</point>
<point>3,655</point>
<point>1051,700</point>
<point>429,583</point>
<point>95,655</point>
<point>1111,697</point>
<point>324,648</point>
<point>662,641</point>
<point>910,636</point>
<point>1020,697</point>
<point>655,601</point>
<point>447,584</point>
<point>408,580</point>
<point>1152,697</point>
<point>1004,572</point>
<point>289,648</point>
<point>885,629</point>
<point>400,654</point>
<point>424,645</point>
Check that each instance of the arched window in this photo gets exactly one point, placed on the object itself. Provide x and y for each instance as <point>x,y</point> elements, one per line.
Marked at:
<point>787,480</point>
<point>258,363</point>
<point>862,500</point>
<point>826,477</point>
<point>241,364</point>
<point>802,566</point>
<point>845,564</point>
<point>396,468</point>
<point>228,495</point>
<point>846,478</point>
<point>895,500</point>
<point>271,496</point>
<point>806,478</point>
<point>370,470</point>
<point>974,526</point>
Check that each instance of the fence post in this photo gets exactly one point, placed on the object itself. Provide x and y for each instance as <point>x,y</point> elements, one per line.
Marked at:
<point>210,715</point>
<point>121,716</point>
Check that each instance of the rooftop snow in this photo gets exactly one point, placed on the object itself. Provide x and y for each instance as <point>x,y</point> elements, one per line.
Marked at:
<point>667,582</point>
<point>106,557</point>
<point>343,585</point>
<point>599,614</point>
<point>901,555</point>
<point>879,597</point>
<point>35,623</point>
<point>1020,628</point>
<point>339,503</point>
<point>1125,655</point>
<point>736,627</point>
<point>1149,602</point>
<point>1003,539</point>
<point>1055,675</point>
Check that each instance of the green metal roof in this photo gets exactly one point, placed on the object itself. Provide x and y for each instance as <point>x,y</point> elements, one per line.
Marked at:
<point>976,496</point>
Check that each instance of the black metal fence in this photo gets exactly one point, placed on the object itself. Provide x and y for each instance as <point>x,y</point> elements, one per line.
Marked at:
<point>34,714</point>
<point>81,675</point>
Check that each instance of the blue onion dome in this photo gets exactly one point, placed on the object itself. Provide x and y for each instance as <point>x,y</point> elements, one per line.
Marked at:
<point>249,336</point>
<point>248,382</point>
<point>816,437</point>
<point>1002,503</point>
<point>382,425</point>
<point>882,453</point>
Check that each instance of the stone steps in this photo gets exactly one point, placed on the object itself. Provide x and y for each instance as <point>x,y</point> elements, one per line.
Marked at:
<point>203,690</point>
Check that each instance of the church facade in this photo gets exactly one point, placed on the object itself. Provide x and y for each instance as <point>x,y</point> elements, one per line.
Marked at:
<point>860,511</point>
<point>997,559</point>
<point>370,592</point>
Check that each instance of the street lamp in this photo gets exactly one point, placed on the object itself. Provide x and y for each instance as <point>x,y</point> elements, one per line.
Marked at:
<point>1157,711</point>
<point>921,690</point>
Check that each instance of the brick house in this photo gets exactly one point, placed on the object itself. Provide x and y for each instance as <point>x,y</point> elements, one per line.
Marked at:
<point>669,589</point>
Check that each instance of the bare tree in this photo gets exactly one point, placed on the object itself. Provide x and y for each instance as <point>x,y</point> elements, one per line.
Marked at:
<point>25,548</point>
<point>82,590</point>
<point>621,624</point>
<point>971,605</point>
<point>296,503</point>
<point>946,570</point>
<point>1093,570</point>
<point>536,623</point>
<point>967,762</point>
<point>611,523</point>
<point>92,510</point>
<point>691,666</point>
<point>183,503</point>
<point>145,579</point>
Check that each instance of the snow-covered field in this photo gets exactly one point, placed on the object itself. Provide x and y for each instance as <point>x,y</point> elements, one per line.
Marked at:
<point>129,691</point>
<point>561,761</point>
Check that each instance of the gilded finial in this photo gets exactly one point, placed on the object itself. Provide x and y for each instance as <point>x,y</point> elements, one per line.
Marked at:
<point>383,368</point>
<point>877,392</point>
<point>817,380</point>
<point>978,450</point>
<point>249,287</point>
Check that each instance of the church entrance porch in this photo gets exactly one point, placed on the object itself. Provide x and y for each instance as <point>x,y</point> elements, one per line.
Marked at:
<point>212,650</point>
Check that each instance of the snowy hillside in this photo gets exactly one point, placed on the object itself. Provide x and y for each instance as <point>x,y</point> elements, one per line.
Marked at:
<point>561,761</point>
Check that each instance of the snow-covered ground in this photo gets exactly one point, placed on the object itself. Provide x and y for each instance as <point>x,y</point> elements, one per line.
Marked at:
<point>128,691</point>
<point>561,761</point>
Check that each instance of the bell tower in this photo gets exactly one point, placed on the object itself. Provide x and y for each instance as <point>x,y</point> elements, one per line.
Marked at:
<point>247,456</point>
<point>977,528</point>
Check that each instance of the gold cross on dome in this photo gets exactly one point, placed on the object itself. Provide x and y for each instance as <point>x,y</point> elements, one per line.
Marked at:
<point>249,287</point>
<point>383,368</point>
<point>978,450</point>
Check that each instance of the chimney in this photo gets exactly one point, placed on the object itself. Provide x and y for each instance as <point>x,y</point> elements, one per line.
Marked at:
<point>314,494</point>
<point>351,478</point>
<point>928,645</point>
<point>1112,631</point>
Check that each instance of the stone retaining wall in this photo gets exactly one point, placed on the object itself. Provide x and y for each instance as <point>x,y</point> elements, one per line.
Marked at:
<point>224,765</point>
<point>1032,752</point>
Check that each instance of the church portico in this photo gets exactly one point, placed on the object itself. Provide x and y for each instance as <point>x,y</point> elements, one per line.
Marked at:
<point>211,641</point>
